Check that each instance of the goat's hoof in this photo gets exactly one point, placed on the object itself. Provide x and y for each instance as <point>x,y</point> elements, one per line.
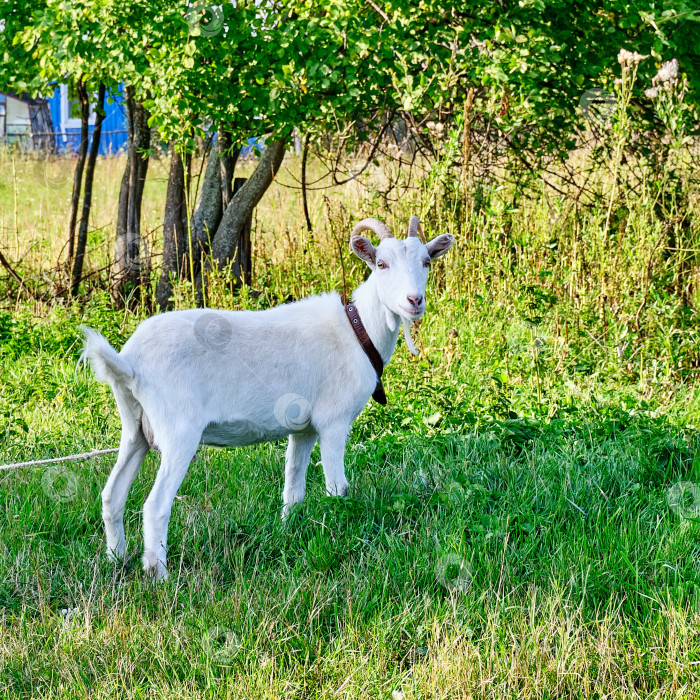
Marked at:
<point>117,553</point>
<point>288,510</point>
<point>340,490</point>
<point>154,567</point>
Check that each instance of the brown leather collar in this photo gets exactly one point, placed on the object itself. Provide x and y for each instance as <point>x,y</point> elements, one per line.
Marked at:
<point>368,346</point>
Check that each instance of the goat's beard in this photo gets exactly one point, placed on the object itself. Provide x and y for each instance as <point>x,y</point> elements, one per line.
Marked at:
<point>392,318</point>
<point>407,336</point>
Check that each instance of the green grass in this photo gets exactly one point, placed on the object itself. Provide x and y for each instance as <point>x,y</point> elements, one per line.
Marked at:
<point>512,528</point>
<point>577,579</point>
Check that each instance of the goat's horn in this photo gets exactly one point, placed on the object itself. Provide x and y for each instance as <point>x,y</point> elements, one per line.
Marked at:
<point>414,227</point>
<point>374,225</point>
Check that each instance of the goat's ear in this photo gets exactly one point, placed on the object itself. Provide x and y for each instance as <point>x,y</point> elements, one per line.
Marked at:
<point>363,248</point>
<point>440,245</point>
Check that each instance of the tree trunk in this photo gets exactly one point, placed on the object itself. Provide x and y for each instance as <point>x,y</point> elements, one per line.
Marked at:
<point>175,248</point>
<point>129,273</point>
<point>79,166</point>
<point>229,235</point>
<point>227,161</point>
<point>243,262</point>
<point>214,197</point>
<point>122,208</point>
<point>87,194</point>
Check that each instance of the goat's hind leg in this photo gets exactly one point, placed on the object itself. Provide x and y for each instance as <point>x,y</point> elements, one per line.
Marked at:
<point>133,447</point>
<point>177,453</point>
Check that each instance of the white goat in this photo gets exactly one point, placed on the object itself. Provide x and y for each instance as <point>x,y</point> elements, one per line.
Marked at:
<point>241,377</point>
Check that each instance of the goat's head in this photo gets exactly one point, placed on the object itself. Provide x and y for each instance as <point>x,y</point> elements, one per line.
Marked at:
<point>400,267</point>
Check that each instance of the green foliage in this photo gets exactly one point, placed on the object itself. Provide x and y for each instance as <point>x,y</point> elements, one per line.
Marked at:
<point>311,66</point>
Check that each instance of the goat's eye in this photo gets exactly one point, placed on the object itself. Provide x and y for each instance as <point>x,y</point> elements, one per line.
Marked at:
<point>382,265</point>
<point>426,263</point>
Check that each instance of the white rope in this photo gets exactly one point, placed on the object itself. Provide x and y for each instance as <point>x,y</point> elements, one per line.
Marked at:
<point>34,463</point>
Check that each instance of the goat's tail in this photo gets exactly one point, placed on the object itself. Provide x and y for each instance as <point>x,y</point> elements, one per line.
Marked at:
<point>104,360</point>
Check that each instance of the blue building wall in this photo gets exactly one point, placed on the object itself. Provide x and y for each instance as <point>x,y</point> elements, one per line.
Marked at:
<point>114,127</point>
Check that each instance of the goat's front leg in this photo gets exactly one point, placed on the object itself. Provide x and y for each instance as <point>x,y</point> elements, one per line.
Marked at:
<point>295,466</point>
<point>333,439</point>
<point>158,506</point>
